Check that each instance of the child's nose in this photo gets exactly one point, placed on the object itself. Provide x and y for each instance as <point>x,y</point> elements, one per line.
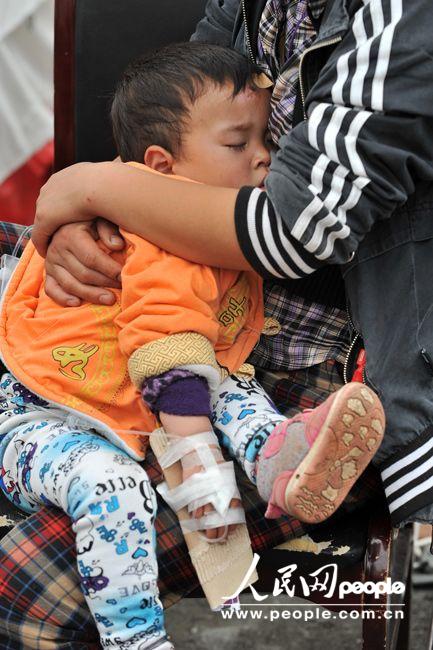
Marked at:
<point>263,157</point>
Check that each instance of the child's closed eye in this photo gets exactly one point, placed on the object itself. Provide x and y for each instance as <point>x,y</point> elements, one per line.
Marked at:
<point>239,146</point>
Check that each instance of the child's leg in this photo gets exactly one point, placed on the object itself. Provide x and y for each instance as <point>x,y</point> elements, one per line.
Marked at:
<point>243,416</point>
<point>305,465</point>
<point>112,506</point>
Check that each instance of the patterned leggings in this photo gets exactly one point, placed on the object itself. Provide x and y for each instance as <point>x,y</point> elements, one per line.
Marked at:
<point>109,498</point>
<point>112,506</point>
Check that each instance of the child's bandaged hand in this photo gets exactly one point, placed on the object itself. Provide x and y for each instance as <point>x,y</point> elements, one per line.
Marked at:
<point>211,533</point>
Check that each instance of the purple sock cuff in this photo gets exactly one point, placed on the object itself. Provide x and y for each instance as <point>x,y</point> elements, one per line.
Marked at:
<point>177,392</point>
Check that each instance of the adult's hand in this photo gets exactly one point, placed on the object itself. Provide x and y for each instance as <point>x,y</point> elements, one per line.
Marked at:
<point>67,197</point>
<point>77,268</point>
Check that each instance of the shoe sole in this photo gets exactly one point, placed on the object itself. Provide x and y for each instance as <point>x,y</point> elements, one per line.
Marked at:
<point>347,441</point>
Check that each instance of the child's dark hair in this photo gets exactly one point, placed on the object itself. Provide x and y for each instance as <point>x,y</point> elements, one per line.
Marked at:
<point>150,105</point>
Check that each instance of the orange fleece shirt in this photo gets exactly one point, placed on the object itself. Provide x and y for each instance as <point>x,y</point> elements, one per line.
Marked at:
<point>93,359</point>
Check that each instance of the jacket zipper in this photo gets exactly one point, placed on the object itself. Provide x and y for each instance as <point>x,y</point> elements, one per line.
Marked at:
<point>350,350</point>
<point>247,34</point>
<point>347,359</point>
<point>316,46</point>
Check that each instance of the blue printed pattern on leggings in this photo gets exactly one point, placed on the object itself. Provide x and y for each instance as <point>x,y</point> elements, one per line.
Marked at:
<point>243,416</point>
<point>15,399</point>
<point>112,505</point>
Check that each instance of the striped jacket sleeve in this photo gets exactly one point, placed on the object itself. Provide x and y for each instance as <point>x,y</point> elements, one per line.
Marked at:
<point>366,144</point>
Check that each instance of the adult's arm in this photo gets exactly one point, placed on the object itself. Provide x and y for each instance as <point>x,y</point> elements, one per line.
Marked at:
<point>152,206</point>
<point>77,266</point>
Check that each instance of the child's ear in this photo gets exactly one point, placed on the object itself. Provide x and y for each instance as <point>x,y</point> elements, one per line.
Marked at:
<point>159,159</point>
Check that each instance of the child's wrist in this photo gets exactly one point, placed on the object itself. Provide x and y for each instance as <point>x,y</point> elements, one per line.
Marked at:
<point>184,425</point>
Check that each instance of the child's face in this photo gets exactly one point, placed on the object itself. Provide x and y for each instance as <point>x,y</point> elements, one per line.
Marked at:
<point>226,142</point>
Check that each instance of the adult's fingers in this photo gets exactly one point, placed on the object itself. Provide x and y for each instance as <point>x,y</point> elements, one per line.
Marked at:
<point>65,198</point>
<point>41,239</point>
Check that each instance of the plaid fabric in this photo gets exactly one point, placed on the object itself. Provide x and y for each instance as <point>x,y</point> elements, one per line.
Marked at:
<point>285,32</point>
<point>303,325</point>
<point>9,235</point>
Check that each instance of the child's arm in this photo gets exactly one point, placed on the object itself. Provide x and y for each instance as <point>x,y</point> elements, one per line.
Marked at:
<point>168,330</point>
<point>181,400</point>
<point>167,317</point>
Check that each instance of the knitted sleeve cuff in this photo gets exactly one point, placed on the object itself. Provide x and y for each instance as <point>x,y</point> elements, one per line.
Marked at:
<point>177,392</point>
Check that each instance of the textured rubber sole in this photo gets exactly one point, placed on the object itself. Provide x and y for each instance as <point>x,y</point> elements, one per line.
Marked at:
<point>347,441</point>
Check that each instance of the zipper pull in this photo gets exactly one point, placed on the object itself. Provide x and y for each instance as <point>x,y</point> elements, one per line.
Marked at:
<point>427,358</point>
<point>361,360</point>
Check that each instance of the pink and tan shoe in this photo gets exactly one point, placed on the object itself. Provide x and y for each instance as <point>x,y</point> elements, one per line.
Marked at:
<point>310,462</point>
